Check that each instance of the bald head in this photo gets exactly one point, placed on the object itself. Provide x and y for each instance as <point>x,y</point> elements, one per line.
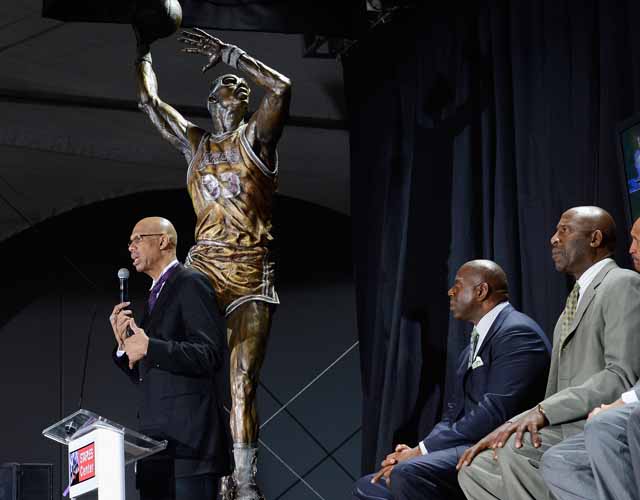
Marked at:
<point>487,271</point>
<point>479,285</point>
<point>591,219</point>
<point>152,245</point>
<point>158,225</point>
<point>584,236</point>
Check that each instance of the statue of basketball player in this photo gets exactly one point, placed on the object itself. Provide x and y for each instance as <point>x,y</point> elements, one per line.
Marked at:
<point>231,179</point>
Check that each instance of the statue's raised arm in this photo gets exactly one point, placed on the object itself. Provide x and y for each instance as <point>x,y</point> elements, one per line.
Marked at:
<point>175,128</point>
<point>229,96</point>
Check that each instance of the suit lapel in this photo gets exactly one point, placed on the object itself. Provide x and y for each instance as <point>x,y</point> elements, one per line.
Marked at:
<point>588,297</point>
<point>464,367</point>
<point>497,324</point>
<point>464,361</point>
<point>165,293</point>
<point>145,315</point>
<point>149,317</point>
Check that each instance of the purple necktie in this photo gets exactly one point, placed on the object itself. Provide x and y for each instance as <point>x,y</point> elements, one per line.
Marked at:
<point>155,291</point>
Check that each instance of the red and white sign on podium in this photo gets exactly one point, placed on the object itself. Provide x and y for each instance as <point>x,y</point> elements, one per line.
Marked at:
<point>99,449</point>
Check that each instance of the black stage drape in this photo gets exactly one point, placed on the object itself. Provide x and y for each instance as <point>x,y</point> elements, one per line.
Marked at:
<point>471,132</point>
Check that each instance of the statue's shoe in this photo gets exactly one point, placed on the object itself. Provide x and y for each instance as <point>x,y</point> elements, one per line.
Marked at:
<point>227,488</point>
<point>248,491</point>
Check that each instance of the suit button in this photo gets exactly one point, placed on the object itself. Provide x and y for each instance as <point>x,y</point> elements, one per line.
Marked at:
<point>140,379</point>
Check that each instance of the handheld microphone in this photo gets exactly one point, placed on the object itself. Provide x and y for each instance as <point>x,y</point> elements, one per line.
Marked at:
<point>123,276</point>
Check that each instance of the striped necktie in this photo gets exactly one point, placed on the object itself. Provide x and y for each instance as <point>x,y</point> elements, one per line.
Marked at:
<point>569,312</point>
<point>474,343</point>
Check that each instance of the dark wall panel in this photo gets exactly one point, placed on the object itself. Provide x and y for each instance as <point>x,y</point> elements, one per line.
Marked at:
<point>31,389</point>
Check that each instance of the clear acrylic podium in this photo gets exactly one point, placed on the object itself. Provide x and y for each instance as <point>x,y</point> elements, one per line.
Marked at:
<point>98,451</point>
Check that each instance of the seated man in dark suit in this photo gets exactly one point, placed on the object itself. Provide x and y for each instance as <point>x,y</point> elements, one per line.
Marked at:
<point>499,375</point>
<point>174,357</point>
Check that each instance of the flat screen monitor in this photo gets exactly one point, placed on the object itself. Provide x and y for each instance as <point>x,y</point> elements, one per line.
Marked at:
<point>628,137</point>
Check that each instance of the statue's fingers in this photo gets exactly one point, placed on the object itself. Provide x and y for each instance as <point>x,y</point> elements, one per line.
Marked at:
<point>210,38</point>
<point>215,40</point>
<point>191,50</point>
<point>191,34</point>
<point>212,62</point>
<point>208,66</point>
<point>188,41</point>
<point>203,33</point>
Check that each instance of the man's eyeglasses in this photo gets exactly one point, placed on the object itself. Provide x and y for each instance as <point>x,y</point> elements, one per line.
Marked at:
<point>137,239</point>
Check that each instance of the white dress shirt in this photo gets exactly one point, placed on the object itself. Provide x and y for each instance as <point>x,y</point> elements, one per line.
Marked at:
<point>169,266</point>
<point>486,322</point>
<point>483,327</point>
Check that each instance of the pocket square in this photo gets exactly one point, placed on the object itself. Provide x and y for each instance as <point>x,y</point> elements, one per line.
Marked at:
<point>477,363</point>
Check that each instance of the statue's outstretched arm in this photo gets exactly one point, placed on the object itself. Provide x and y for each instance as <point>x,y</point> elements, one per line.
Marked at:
<point>181,133</point>
<point>266,125</point>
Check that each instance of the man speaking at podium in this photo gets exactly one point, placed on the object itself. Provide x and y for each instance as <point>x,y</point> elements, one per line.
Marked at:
<point>173,357</point>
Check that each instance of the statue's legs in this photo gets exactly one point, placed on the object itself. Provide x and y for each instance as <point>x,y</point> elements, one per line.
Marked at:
<point>249,327</point>
<point>241,274</point>
<point>248,331</point>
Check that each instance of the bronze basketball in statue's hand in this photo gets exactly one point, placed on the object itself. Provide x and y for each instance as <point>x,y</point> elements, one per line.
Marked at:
<point>154,19</point>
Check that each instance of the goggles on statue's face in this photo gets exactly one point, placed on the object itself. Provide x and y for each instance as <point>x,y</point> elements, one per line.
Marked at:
<point>241,89</point>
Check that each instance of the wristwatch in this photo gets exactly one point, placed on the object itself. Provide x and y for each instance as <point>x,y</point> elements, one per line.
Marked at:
<point>541,410</point>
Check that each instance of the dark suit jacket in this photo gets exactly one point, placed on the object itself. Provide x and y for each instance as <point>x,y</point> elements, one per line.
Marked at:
<point>515,357</point>
<point>179,399</point>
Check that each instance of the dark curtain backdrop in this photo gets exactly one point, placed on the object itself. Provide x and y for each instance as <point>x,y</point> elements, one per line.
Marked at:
<point>472,130</point>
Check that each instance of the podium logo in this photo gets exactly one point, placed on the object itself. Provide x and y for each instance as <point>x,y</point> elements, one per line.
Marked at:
<point>82,464</point>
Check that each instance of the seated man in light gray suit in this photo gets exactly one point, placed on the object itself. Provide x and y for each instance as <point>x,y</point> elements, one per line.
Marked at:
<point>595,358</point>
<point>603,461</point>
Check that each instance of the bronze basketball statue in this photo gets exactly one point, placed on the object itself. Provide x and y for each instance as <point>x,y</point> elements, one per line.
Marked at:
<point>231,178</point>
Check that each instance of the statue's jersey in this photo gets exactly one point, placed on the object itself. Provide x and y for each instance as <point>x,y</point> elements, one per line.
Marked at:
<point>232,194</point>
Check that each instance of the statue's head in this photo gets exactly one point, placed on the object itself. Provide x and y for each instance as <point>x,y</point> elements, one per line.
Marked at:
<point>228,100</point>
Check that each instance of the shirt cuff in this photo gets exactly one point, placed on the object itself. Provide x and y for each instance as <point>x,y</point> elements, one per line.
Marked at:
<point>629,397</point>
<point>119,353</point>
<point>423,448</point>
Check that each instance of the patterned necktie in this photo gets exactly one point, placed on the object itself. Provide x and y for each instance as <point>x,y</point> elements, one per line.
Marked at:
<point>155,291</point>
<point>569,312</point>
<point>474,343</point>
